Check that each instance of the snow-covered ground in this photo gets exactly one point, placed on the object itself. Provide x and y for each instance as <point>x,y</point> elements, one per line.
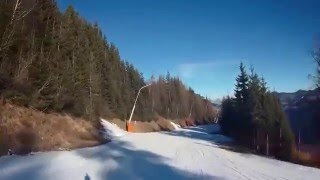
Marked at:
<point>111,131</point>
<point>191,153</point>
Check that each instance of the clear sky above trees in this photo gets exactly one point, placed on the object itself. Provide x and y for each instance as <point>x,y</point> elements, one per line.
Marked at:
<point>204,41</point>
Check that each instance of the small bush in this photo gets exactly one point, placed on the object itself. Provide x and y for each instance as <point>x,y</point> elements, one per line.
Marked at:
<point>17,97</point>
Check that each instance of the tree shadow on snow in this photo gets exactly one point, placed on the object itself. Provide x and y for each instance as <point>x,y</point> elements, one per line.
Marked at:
<point>211,136</point>
<point>121,161</point>
<point>205,133</point>
<point>18,167</point>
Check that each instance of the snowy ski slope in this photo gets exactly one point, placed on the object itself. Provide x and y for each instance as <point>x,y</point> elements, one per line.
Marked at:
<point>191,153</point>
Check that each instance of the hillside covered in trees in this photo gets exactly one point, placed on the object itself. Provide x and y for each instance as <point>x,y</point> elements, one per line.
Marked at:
<point>57,61</point>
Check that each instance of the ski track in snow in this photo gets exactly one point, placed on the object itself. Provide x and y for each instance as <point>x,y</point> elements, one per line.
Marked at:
<point>192,153</point>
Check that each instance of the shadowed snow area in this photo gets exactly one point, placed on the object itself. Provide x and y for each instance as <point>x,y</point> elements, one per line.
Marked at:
<point>192,153</point>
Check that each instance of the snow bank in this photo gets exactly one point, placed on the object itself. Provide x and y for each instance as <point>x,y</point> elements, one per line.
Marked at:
<point>176,126</point>
<point>111,130</point>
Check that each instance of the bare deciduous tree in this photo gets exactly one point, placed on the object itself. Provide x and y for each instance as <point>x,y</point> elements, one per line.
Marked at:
<point>7,37</point>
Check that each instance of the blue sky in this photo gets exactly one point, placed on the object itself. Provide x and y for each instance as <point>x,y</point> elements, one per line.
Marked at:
<point>204,41</point>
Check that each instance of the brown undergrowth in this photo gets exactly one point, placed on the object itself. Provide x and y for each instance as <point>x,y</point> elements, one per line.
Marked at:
<point>24,130</point>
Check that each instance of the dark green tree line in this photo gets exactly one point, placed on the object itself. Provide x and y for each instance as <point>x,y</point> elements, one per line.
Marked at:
<point>255,117</point>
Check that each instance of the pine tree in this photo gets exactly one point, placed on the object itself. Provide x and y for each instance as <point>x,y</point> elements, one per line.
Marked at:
<point>243,124</point>
<point>255,91</point>
<point>255,117</point>
<point>241,87</point>
<point>228,116</point>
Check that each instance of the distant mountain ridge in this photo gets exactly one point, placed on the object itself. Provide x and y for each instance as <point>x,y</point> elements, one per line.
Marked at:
<point>303,110</point>
<point>293,99</point>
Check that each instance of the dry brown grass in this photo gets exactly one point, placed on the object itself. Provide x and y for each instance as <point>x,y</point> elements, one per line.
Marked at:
<point>301,157</point>
<point>165,125</point>
<point>121,124</point>
<point>24,130</point>
<point>26,139</point>
<point>160,124</point>
<point>308,155</point>
<point>190,122</point>
<point>182,123</point>
<point>144,127</point>
<point>155,126</point>
<point>138,126</point>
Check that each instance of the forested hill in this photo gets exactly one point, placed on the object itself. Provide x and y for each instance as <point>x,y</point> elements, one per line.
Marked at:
<point>57,61</point>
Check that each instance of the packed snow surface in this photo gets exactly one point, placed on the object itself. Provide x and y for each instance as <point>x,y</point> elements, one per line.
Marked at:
<point>192,153</point>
